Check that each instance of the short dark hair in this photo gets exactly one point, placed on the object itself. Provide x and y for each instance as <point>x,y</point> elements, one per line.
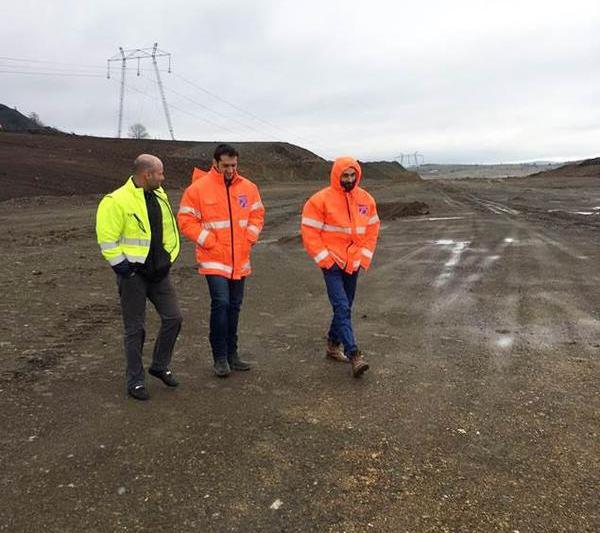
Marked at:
<point>225,149</point>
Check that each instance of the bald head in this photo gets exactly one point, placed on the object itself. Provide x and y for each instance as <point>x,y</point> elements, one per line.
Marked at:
<point>144,162</point>
<point>148,171</point>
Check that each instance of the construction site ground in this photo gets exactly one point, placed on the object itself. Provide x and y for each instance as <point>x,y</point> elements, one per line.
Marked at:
<point>480,413</point>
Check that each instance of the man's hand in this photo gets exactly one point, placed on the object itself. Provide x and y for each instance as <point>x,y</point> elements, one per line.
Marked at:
<point>124,269</point>
<point>354,251</point>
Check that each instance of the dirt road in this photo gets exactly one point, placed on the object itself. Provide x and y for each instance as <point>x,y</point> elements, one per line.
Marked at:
<point>481,412</point>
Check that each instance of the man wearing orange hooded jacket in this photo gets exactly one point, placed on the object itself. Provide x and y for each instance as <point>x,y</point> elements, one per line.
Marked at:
<point>222,213</point>
<point>339,229</point>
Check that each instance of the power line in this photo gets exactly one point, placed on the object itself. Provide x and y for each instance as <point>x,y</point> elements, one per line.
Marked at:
<point>25,60</point>
<point>133,89</point>
<point>139,54</point>
<point>45,68</point>
<point>255,117</point>
<point>29,66</point>
<point>221,99</point>
<point>226,117</point>
<point>76,75</point>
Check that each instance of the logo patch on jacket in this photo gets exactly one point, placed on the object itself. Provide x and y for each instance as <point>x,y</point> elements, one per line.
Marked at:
<point>363,209</point>
<point>243,200</point>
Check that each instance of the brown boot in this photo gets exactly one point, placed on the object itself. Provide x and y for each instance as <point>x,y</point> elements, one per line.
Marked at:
<point>359,365</point>
<point>335,352</point>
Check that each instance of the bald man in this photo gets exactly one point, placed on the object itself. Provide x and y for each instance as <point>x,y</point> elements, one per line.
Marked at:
<point>138,236</point>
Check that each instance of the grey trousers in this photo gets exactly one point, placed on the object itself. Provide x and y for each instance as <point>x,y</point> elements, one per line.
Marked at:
<point>133,293</point>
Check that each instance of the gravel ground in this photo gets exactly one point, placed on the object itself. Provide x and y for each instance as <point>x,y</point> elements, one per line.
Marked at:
<point>480,412</point>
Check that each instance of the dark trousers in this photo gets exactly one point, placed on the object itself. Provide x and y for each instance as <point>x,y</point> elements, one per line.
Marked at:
<point>133,292</point>
<point>226,297</point>
<point>341,288</point>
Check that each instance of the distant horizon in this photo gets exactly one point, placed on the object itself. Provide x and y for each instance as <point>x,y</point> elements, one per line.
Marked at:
<point>548,161</point>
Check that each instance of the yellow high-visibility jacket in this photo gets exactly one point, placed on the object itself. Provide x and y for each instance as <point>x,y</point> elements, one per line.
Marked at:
<point>123,228</point>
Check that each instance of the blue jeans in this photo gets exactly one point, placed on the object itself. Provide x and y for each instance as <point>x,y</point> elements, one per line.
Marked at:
<point>226,297</point>
<point>341,288</point>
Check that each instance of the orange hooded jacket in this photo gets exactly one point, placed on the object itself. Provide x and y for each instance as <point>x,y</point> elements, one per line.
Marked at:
<point>224,222</point>
<point>338,226</point>
<point>197,174</point>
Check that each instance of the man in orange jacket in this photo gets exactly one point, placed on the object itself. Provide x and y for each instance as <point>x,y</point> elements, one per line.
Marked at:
<point>339,231</point>
<point>222,213</point>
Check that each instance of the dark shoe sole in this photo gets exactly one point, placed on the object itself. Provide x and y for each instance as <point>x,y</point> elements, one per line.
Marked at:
<point>138,397</point>
<point>360,371</point>
<point>167,383</point>
<point>336,356</point>
<point>240,368</point>
<point>221,373</point>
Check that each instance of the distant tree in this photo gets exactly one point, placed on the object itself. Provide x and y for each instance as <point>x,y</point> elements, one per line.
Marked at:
<point>138,131</point>
<point>35,118</point>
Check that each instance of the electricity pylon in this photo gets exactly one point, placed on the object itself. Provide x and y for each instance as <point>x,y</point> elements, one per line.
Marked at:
<point>417,159</point>
<point>138,54</point>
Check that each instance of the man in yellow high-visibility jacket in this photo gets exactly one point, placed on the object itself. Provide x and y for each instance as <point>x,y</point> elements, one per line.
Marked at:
<point>138,236</point>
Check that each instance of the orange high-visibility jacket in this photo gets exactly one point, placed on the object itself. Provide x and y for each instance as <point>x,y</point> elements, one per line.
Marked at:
<point>198,173</point>
<point>224,222</point>
<point>338,226</point>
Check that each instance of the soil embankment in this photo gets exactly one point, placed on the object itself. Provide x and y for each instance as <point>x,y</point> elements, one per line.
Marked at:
<point>57,165</point>
<point>589,168</point>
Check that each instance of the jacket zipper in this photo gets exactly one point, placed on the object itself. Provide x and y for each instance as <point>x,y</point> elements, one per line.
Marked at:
<point>175,230</point>
<point>349,218</point>
<point>140,223</point>
<point>231,230</point>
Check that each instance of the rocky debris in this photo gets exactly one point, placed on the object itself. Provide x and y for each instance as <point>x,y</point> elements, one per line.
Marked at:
<point>393,210</point>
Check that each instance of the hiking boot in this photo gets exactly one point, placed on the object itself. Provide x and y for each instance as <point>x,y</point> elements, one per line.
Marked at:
<point>139,392</point>
<point>166,376</point>
<point>222,368</point>
<point>359,365</point>
<point>335,351</point>
<point>235,363</point>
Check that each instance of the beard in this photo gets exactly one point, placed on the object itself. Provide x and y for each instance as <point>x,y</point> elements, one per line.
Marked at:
<point>348,185</point>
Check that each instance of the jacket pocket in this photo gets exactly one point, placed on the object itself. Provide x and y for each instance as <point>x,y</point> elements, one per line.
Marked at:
<point>211,210</point>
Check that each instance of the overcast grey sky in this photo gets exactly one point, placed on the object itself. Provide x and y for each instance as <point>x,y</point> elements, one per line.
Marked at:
<point>461,81</point>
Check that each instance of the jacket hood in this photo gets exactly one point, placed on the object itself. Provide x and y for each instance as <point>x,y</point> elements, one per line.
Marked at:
<point>341,164</point>
<point>198,173</point>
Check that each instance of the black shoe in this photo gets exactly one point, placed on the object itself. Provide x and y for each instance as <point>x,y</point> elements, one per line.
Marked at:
<point>238,364</point>
<point>139,392</point>
<point>222,368</point>
<point>166,376</point>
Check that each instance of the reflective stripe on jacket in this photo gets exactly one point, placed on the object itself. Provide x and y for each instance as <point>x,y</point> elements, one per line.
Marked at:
<point>123,228</point>
<point>224,222</point>
<point>338,226</point>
